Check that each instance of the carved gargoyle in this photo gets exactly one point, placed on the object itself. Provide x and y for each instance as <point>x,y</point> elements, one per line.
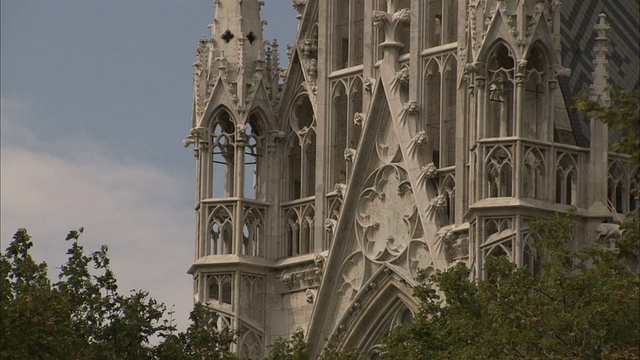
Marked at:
<point>310,295</point>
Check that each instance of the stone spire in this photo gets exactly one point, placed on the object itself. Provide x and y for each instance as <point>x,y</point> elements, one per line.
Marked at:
<point>599,91</point>
<point>236,36</point>
<point>599,131</point>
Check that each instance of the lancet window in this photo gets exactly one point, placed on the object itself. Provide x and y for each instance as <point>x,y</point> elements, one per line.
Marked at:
<point>299,221</point>
<point>533,114</point>
<point>346,129</point>
<point>501,93</point>
<point>222,155</point>
<point>301,150</point>
<point>440,108</point>
<point>566,179</point>
<point>348,33</point>
<point>220,223</point>
<point>441,22</point>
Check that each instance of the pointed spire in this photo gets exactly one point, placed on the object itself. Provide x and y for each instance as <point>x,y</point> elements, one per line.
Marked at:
<point>599,91</point>
<point>237,35</point>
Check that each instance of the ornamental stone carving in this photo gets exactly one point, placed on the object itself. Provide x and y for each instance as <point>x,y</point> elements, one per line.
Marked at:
<point>349,154</point>
<point>386,217</point>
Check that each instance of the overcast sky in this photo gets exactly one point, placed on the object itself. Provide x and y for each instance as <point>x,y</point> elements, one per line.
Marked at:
<point>95,101</point>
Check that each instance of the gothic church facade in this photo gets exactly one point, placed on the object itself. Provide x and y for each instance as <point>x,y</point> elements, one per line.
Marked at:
<point>403,135</point>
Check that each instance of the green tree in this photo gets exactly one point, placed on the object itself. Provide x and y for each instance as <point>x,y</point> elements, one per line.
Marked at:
<point>297,349</point>
<point>583,306</point>
<point>83,316</point>
<point>622,115</point>
<point>201,340</point>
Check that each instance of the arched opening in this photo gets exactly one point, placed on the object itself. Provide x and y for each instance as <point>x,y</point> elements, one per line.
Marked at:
<point>222,154</point>
<point>500,117</point>
<point>533,115</point>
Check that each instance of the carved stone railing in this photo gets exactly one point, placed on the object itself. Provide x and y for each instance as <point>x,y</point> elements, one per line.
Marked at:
<point>298,219</point>
<point>235,226</point>
<point>623,179</point>
<point>530,169</point>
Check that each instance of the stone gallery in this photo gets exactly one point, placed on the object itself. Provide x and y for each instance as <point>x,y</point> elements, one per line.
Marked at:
<point>403,135</point>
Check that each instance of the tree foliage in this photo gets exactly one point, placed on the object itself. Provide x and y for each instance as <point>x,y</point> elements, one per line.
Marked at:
<point>297,349</point>
<point>584,305</point>
<point>83,316</point>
